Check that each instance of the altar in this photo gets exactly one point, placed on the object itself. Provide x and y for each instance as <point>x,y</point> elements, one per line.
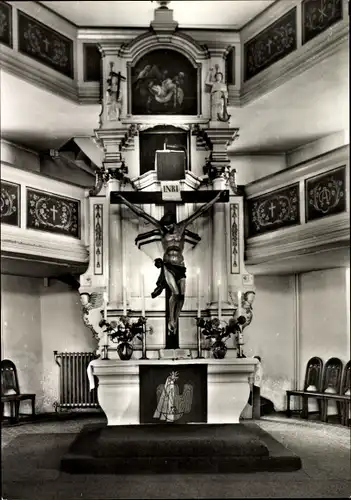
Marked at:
<point>226,391</point>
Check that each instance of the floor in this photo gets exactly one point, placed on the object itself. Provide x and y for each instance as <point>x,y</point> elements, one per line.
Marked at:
<point>323,448</point>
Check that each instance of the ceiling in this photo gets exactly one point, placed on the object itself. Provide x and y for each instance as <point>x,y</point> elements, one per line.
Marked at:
<point>306,108</point>
<point>232,14</point>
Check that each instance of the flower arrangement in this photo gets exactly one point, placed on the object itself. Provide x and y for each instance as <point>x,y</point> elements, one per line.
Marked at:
<point>217,332</point>
<point>124,330</point>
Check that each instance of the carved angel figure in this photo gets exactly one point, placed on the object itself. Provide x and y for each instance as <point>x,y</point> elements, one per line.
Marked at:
<point>91,301</point>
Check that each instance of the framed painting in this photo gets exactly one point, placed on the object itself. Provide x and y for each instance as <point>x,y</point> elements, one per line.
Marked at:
<point>164,82</point>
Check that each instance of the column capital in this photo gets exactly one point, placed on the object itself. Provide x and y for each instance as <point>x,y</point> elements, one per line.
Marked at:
<point>219,139</point>
<point>218,49</point>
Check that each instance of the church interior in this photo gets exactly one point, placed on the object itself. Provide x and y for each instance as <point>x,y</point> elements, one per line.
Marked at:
<point>175,213</point>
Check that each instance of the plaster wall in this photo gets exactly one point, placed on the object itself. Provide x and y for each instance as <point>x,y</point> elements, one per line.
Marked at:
<point>271,335</point>
<point>21,340</point>
<point>324,316</point>
<point>62,330</point>
<point>249,168</point>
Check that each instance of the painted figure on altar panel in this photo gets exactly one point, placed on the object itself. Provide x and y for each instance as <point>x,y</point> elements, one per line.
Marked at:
<point>171,405</point>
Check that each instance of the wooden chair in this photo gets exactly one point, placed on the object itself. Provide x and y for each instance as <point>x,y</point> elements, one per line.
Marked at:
<point>331,385</point>
<point>10,392</point>
<point>313,379</point>
<point>345,391</point>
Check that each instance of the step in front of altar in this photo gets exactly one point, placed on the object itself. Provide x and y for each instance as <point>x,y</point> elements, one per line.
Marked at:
<point>178,448</point>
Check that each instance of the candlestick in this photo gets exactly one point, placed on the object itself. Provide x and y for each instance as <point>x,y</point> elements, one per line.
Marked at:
<point>124,301</point>
<point>143,343</point>
<point>219,301</point>
<point>105,306</point>
<point>142,295</point>
<point>198,294</point>
<point>199,350</point>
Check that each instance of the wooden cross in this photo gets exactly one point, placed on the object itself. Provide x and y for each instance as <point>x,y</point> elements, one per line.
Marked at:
<point>151,197</point>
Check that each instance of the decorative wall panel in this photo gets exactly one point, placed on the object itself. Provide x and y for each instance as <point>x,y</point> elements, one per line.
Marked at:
<point>234,239</point>
<point>319,15</point>
<point>6,24</point>
<point>10,203</point>
<point>325,194</point>
<point>271,45</point>
<point>274,210</point>
<point>98,238</point>
<point>92,63</point>
<point>52,213</point>
<point>45,44</point>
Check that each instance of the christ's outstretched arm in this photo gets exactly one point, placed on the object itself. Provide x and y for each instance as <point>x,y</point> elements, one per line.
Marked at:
<point>141,213</point>
<point>201,210</point>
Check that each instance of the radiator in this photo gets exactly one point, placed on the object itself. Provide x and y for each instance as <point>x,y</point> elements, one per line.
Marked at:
<point>74,383</point>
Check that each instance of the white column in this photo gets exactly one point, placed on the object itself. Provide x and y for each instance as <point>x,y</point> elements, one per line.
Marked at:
<point>219,258</point>
<point>115,249</point>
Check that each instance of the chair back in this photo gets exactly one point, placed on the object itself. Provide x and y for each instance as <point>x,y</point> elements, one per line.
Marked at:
<point>346,379</point>
<point>313,375</point>
<point>9,380</point>
<point>332,375</point>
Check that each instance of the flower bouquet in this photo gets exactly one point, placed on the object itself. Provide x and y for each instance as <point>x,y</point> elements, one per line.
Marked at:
<point>123,332</point>
<point>217,332</point>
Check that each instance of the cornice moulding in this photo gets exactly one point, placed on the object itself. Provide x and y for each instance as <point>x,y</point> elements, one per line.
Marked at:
<point>40,244</point>
<point>15,63</point>
<point>298,173</point>
<point>331,232</point>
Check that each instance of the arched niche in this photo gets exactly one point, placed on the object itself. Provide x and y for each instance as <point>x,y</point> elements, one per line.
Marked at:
<point>164,81</point>
<point>161,137</point>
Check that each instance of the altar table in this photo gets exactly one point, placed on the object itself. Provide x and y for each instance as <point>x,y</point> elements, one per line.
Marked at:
<point>227,387</point>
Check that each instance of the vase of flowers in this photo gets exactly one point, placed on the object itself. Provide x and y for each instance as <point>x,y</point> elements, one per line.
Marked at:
<point>123,333</point>
<point>218,332</point>
<point>125,350</point>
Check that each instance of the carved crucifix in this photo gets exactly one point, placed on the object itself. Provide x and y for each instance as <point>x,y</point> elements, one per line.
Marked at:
<point>172,268</point>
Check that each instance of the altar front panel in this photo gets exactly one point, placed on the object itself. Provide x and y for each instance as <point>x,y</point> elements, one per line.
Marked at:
<point>173,394</point>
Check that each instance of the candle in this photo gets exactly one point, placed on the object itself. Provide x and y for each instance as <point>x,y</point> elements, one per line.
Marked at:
<point>105,306</point>
<point>142,295</point>
<point>106,338</point>
<point>124,301</point>
<point>239,303</point>
<point>198,294</point>
<point>219,301</point>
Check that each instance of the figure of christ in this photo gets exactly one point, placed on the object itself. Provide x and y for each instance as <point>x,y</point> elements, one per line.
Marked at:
<point>173,270</point>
